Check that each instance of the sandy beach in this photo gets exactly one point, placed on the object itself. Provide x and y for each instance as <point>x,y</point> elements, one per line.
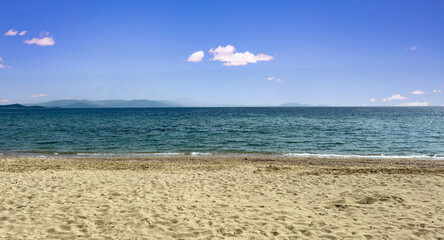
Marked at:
<point>220,198</point>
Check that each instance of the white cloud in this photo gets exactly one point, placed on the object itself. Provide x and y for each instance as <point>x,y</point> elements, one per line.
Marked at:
<point>3,66</point>
<point>413,104</point>
<point>418,92</point>
<point>230,57</point>
<point>39,95</point>
<point>275,79</point>
<point>3,89</point>
<point>412,48</point>
<point>43,41</point>
<point>372,99</point>
<point>437,90</point>
<point>394,97</point>
<point>196,57</point>
<point>11,32</point>
<point>5,100</point>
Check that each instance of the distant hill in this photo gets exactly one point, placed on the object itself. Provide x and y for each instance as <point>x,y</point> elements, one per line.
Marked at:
<point>106,104</point>
<point>300,105</point>
<point>19,106</point>
<point>295,105</point>
<point>142,103</point>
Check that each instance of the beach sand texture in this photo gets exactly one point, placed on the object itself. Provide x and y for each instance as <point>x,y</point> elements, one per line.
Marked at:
<point>220,198</point>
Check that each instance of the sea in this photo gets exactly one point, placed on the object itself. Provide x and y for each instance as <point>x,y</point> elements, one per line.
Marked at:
<point>334,132</point>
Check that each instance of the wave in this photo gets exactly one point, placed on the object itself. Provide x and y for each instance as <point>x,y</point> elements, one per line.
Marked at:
<point>236,154</point>
<point>131,154</point>
<point>313,155</point>
<point>201,154</point>
<point>381,156</point>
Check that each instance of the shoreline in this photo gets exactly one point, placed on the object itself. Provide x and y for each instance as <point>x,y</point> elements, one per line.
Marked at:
<point>202,197</point>
<point>216,155</point>
<point>363,165</point>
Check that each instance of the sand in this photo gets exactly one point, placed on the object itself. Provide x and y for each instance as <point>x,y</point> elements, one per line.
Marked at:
<point>220,198</point>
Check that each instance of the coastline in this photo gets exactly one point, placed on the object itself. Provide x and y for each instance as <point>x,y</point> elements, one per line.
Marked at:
<point>270,155</point>
<point>208,197</point>
<point>133,162</point>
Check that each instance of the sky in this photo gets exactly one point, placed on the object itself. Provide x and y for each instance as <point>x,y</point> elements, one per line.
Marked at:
<point>255,53</point>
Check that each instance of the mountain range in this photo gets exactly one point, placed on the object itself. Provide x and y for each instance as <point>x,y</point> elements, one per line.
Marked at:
<point>106,104</point>
<point>19,106</point>
<point>142,103</point>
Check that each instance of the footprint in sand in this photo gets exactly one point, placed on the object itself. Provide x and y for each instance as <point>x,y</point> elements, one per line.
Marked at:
<point>367,200</point>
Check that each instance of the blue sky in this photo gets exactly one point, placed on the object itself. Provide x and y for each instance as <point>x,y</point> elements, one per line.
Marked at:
<point>339,53</point>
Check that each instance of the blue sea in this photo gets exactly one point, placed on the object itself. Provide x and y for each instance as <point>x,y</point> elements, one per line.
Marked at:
<point>391,132</point>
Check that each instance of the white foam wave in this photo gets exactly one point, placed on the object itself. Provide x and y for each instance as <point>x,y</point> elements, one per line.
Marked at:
<point>146,154</point>
<point>313,155</point>
<point>200,154</point>
<point>166,154</point>
<point>131,154</point>
<point>382,156</point>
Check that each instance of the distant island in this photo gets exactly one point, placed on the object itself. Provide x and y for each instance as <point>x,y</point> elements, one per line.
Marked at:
<point>141,103</point>
<point>19,106</point>
<point>107,104</point>
<point>294,105</point>
<point>300,105</point>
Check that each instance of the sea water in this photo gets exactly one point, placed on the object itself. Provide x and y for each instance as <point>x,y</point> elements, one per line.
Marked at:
<point>391,132</point>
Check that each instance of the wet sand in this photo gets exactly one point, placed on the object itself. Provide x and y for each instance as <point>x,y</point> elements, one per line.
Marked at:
<point>220,198</point>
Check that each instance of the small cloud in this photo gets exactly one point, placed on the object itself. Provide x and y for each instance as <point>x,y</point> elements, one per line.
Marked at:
<point>275,79</point>
<point>230,57</point>
<point>5,100</point>
<point>23,33</point>
<point>39,95</point>
<point>3,89</point>
<point>196,57</point>
<point>437,91</point>
<point>43,41</point>
<point>418,92</point>
<point>11,32</point>
<point>372,99</point>
<point>412,48</point>
<point>413,104</point>
<point>3,66</point>
<point>394,97</point>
